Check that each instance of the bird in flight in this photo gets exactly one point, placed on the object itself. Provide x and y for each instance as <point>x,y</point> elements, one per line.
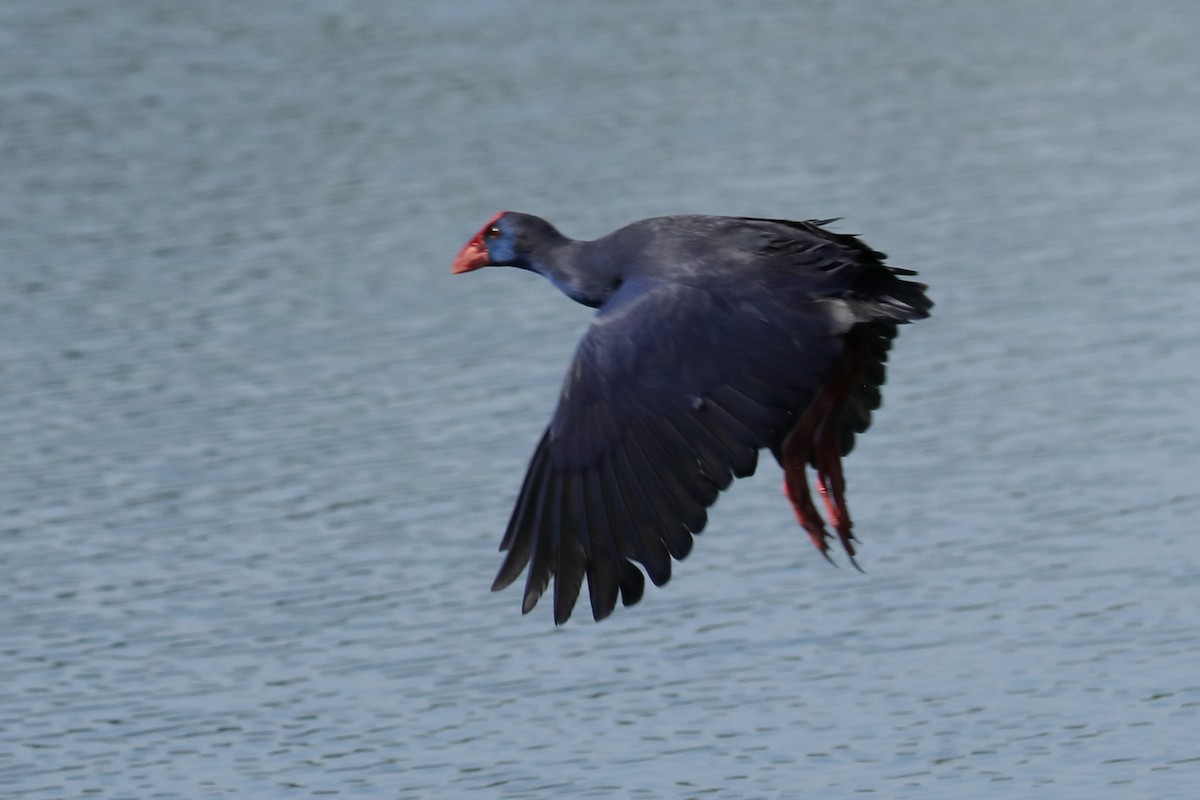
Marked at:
<point>714,338</point>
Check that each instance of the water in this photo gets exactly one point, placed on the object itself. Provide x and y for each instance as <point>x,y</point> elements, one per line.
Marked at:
<point>260,447</point>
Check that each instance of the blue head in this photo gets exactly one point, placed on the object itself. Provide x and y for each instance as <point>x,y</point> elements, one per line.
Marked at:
<point>509,239</point>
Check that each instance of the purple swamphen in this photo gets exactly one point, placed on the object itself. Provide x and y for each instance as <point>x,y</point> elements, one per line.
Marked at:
<point>714,338</point>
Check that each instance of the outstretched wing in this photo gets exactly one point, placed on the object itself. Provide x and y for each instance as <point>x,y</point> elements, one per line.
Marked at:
<point>672,393</point>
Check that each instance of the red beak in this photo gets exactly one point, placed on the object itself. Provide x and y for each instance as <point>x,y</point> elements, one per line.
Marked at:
<point>473,256</point>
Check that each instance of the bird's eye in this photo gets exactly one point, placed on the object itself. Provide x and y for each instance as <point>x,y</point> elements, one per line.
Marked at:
<point>491,233</point>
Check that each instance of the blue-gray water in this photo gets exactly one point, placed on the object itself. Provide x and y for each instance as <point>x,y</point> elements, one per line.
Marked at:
<point>259,446</point>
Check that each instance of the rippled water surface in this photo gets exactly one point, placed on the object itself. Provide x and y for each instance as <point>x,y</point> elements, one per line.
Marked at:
<point>259,446</point>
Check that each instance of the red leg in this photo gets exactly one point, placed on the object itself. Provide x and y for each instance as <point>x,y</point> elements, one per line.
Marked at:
<point>815,439</point>
<point>832,485</point>
<point>794,460</point>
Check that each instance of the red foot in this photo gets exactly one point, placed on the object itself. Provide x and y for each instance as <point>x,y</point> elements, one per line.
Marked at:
<point>794,460</point>
<point>814,440</point>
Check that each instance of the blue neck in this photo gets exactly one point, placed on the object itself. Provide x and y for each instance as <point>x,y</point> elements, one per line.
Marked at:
<point>576,271</point>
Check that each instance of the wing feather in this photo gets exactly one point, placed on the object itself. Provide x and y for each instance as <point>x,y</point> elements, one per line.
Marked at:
<point>571,555</point>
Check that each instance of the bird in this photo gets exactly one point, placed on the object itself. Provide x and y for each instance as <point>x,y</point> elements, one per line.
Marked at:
<point>714,338</point>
